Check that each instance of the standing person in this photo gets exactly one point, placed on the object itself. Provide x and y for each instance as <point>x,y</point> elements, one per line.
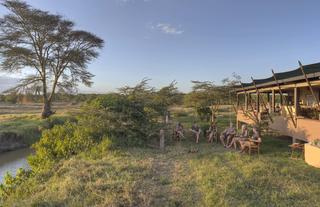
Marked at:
<point>195,129</point>
<point>212,132</point>
<point>227,135</point>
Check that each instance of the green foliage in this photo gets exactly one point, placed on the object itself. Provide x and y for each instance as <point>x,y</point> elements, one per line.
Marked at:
<point>11,183</point>
<point>119,119</point>
<point>125,120</point>
<point>60,142</point>
<point>9,98</point>
<point>204,113</point>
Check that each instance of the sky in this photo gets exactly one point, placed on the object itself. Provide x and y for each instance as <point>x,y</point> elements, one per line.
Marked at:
<point>185,40</point>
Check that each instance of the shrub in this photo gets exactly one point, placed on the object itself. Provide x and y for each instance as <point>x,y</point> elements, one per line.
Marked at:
<point>60,142</point>
<point>11,183</point>
<point>127,122</point>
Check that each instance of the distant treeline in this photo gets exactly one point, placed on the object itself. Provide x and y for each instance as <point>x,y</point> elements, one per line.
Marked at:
<point>15,98</point>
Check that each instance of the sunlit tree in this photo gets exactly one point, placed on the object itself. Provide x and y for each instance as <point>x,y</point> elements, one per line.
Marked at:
<point>48,48</point>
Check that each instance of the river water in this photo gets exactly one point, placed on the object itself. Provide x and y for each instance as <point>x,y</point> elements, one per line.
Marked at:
<point>12,161</point>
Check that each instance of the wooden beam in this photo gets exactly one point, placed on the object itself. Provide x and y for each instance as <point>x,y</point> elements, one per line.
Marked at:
<point>281,94</point>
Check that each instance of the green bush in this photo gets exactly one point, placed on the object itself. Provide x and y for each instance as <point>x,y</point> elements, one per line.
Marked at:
<point>11,183</point>
<point>204,113</point>
<point>60,142</point>
<point>127,122</point>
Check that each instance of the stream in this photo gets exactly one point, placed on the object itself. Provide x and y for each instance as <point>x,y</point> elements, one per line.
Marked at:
<point>12,161</point>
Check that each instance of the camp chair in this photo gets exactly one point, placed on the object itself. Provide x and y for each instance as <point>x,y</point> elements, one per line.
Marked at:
<point>254,145</point>
<point>296,147</point>
<point>251,145</point>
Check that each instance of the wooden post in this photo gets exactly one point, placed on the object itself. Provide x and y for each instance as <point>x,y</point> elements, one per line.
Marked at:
<point>296,100</point>
<point>238,101</point>
<point>162,139</point>
<point>246,101</point>
<point>273,101</point>
<point>258,101</point>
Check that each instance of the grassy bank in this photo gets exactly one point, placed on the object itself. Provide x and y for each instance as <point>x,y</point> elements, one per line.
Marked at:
<point>213,176</point>
<point>146,177</point>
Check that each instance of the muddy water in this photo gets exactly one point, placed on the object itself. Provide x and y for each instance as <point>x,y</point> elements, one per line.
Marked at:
<point>12,161</point>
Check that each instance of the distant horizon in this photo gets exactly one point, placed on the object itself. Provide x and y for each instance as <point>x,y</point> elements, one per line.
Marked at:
<point>177,40</point>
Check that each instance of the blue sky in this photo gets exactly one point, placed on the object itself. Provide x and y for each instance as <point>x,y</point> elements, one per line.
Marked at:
<point>186,40</point>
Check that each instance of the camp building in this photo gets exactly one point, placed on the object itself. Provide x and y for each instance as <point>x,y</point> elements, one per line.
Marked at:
<point>288,101</point>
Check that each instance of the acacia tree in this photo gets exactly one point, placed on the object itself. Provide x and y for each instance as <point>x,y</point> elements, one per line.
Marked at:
<point>47,45</point>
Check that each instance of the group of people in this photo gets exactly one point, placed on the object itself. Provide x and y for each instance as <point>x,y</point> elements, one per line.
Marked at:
<point>229,137</point>
<point>195,129</point>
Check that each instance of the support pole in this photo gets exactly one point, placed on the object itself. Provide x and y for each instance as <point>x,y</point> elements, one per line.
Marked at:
<point>258,101</point>
<point>246,102</point>
<point>296,100</point>
<point>273,101</point>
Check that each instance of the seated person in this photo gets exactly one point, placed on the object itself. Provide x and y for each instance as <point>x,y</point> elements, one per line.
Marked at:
<point>227,135</point>
<point>244,135</point>
<point>245,144</point>
<point>212,132</point>
<point>178,131</point>
<point>195,129</point>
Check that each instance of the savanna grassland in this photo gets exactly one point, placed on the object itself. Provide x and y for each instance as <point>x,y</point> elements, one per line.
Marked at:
<point>214,176</point>
<point>23,120</point>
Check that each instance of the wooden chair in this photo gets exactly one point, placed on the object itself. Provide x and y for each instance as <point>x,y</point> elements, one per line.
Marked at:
<point>254,145</point>
<point>296,147</point>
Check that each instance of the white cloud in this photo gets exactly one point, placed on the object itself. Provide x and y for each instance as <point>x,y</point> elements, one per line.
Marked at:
<point>167,29</point>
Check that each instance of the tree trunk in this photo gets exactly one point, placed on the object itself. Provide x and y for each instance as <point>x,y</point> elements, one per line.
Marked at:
<point>46,110</point>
